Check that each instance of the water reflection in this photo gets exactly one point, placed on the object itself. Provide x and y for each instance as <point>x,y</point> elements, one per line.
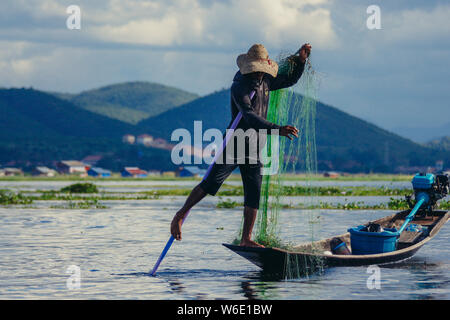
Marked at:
<point>116,247</point>
<point>259,290</point>
<point>427,278</point>
<point>176,285</point>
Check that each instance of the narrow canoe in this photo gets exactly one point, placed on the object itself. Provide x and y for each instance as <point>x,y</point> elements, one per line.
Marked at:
<point>310,257</point>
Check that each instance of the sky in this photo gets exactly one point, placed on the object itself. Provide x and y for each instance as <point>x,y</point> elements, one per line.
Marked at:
<point>397,76</point>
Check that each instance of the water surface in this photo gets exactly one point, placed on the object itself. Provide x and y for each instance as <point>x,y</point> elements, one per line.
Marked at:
<point>115,248</point>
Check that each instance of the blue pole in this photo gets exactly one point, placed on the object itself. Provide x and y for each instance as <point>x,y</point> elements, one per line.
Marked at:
<point>218,154</point>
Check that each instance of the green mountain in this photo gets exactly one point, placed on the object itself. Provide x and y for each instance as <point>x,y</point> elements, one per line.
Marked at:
<point>131,101</point>
<point>440,144</point>
<point>39,128</point>
<point>344,142</point>
<point>213,110</point>
<point>28,113</point>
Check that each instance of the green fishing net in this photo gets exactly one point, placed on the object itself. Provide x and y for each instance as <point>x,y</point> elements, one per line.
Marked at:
<point>287,106</point>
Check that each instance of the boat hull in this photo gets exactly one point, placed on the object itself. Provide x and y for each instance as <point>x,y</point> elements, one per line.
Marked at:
<point>279,261</point>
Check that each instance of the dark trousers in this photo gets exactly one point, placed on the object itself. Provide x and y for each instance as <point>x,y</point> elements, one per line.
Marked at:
<point>251,179</point>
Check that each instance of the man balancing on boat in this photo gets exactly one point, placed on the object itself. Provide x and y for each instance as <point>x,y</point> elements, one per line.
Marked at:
<point>257,76</point>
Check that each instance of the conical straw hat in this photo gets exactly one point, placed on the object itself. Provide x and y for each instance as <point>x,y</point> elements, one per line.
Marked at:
<point>257,60</point>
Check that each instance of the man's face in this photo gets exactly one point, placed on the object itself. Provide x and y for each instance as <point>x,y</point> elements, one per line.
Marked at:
<point>258,75</point>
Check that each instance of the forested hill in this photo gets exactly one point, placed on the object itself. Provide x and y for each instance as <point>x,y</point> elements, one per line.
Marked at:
<point>130,101</point>
<point>344,142</point>
<point>38,127</point>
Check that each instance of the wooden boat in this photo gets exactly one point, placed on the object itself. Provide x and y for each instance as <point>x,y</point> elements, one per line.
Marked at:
<point>310,257</point>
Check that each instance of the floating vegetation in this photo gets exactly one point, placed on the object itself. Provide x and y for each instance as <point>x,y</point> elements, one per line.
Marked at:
<point>86,204</point>
<point>273,188</point>
<point>55,195</point>
<point>80,188</point>
<point>393,204</point>
<point>228,203</point>
<point>398,204</point>
<point>230,191</point>
<point>343,191</point>
<point>233,177</point>
<point>8,197</point>
<point>21,198</point>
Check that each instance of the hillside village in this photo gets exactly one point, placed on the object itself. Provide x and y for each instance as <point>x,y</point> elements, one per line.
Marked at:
<point>82,169</point>
<point>87,166</point>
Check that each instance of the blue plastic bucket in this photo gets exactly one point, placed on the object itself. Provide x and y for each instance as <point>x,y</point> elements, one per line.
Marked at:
<point>363,242</point>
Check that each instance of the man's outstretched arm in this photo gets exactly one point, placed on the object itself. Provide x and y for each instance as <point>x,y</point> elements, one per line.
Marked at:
<point>285,80</point>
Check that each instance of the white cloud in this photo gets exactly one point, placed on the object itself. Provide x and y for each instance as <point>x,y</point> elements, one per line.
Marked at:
<point>419,24</point>
<point>159,32</point>
<point>193,44</point>
<point>221,24</point>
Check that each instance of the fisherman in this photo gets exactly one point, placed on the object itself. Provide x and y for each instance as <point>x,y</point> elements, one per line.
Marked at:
<point>257,76</point>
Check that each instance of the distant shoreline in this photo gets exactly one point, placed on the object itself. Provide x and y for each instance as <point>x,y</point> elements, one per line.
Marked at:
<point>288,177</point>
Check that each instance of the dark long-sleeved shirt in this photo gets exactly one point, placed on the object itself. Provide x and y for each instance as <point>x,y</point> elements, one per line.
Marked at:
<point>254,108</point>
<point>254,111</point>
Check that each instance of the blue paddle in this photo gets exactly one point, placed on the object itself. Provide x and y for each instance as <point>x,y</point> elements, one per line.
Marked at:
<point>218,154</point>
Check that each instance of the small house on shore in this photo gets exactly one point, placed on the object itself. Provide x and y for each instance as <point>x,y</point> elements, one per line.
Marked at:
<point>71,167</point>
<point>144,139</point>
<point>134,172</point>
<point>44,172</point>
<point>331,174</point>
<point>99,172</point>
<point>129,139</point>
<point>191,171</point>
<point>11,172</point>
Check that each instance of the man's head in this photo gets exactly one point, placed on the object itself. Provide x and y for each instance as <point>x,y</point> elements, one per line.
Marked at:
<point>256,61</point>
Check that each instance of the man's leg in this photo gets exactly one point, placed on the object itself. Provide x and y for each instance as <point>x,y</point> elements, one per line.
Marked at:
<point>249,222</point>
<point>210,185</point>
<point>195,196</point>
<point>251,180</point>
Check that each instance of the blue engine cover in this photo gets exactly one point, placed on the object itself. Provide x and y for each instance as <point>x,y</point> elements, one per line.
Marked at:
<point>423,181</point>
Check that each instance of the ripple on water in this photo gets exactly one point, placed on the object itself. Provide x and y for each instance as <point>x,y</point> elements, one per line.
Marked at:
<point>115,249</point>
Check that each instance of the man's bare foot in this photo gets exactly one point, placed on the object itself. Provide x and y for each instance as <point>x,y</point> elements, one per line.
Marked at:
<point>250,243</point>
<point>175,226</point>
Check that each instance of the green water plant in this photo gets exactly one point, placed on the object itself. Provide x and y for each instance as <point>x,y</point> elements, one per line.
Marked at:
<point>228,203</point>
<point>8,197</point>
<point>80,188</point>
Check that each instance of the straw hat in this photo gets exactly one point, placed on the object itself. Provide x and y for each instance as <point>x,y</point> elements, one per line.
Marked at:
<point>257,60</point>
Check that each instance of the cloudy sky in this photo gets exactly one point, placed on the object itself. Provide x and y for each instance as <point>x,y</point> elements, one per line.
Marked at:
<point>396,76</point>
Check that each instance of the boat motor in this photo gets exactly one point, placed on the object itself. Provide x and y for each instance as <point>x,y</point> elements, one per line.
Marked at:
<point>428,189</point>
<point>373,239</point>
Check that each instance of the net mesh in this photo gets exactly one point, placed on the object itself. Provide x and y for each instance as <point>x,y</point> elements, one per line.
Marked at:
<point>295,156</point>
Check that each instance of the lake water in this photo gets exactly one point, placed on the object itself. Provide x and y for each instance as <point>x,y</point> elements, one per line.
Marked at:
<point>115,248</point>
